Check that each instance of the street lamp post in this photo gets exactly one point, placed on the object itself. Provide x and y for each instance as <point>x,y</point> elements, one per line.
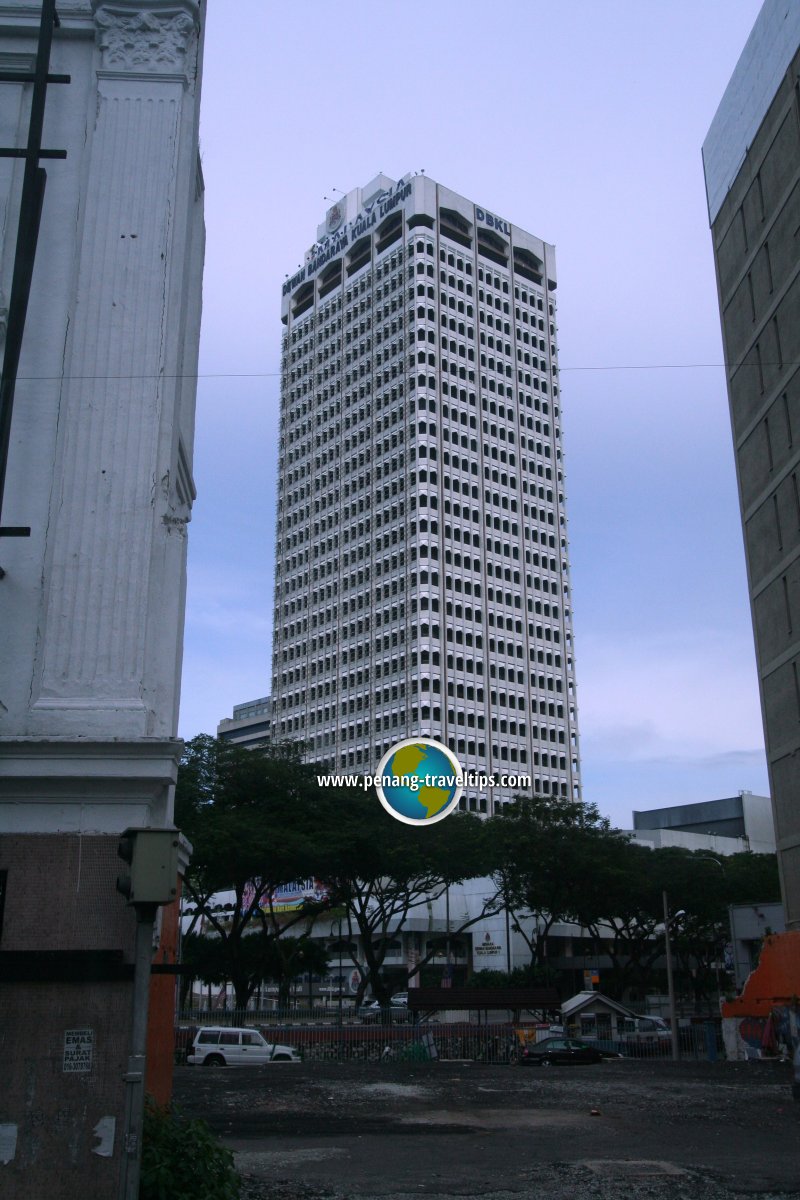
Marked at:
<point>710,858</point>
<point>673,1017</point>
<point>340,970</point>
<point>338,927</point>
<point>508,941</point>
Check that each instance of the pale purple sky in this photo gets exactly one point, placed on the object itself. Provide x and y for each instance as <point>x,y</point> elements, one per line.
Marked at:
<point>582,122</point>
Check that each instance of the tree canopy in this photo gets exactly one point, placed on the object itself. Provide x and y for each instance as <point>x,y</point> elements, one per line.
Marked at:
<point>546,851</point>
<point>258,819</point>
<point>383,872</point>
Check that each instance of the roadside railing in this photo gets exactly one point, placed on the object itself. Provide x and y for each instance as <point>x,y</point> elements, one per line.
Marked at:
<point>376,1042</point>
<point>404,1039</point>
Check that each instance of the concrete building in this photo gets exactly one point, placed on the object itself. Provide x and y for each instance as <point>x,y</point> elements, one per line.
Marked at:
<point>422,582</point>
<point>496,941</point>
<point>728,826</point>
<point>250,725</point>
<point>750,924</point>
<point>751,158</point>
<point>99,472</point>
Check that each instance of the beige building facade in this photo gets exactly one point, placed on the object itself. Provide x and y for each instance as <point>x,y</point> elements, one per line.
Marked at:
<point>751,158</point>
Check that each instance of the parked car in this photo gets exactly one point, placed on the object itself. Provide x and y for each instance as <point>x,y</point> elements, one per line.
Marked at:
<point>374,1013</point>
<point>562,1050</point>
<point>221,1046</point>
<point>642,1035</point>
<point>652,1026</point>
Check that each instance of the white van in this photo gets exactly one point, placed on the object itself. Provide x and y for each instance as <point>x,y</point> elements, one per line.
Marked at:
<point>221,1046</point>
<point>646,1031</point>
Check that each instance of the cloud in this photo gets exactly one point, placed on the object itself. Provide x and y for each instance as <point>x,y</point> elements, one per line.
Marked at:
<point>679,696</point>
<point>667,718</point>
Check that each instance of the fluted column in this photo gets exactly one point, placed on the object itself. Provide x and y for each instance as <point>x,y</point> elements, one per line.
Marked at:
<point>114,572</point>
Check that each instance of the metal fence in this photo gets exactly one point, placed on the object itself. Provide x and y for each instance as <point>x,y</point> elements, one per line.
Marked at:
<point>415,1042</point>
<point>403,1042</point>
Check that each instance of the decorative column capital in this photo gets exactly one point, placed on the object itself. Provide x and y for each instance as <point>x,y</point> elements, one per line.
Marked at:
<point>151,35</point>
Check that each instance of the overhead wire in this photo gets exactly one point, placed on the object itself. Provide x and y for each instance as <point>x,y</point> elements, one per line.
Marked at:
<point>276,374</point>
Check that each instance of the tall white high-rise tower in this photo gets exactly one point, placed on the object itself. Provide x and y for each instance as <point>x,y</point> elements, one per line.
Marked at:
<point>422,584</point>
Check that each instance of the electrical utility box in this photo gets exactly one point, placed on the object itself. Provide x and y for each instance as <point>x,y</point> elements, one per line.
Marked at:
<point>152,855</point>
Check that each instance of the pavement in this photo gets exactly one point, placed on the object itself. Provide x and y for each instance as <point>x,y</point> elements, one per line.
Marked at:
<point>392,1131</point>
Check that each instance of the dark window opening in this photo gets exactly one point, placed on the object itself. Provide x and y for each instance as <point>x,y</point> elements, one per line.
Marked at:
<point>360,254</point>
<point>390,231</point>
<point>455,227</point>
<point>492,246</point>
<point>528,265</point>
<point>303,299</point>
<point>330,278</point>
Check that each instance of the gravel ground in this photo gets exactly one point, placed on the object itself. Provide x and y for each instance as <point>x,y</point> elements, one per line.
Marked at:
<point>357,1131</point>
<point>562,1181</point>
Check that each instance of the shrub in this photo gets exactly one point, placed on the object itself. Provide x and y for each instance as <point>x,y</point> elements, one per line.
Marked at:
<point>182,1159</point>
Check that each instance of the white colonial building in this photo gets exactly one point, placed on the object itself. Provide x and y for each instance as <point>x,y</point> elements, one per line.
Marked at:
<point>97,498</point>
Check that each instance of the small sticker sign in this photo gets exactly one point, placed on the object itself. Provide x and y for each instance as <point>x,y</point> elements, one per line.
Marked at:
<point>78,1045</point>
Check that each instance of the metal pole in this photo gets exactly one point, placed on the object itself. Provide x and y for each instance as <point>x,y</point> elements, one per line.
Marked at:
<point>135,1075</point>
<point>508,942</point>
<point>673,1018</point>
<point>710,858</point>
<point>33,185</point>
<point>340,970</point>
<point>447,914</point>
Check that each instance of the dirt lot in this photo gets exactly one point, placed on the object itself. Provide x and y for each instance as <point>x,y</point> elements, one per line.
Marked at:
<point>628,1129</point>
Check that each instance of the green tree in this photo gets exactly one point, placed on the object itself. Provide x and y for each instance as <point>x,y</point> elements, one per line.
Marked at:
<point>261,958</point>
<point>622,909</point>
<point>383,872</point>
<point>626,912</point>
<point>202,958</point>
<point>546,851</point>
<point>520,977</point>
<point>256,820</point>
<point>706,885</point>
<point>286,958</point>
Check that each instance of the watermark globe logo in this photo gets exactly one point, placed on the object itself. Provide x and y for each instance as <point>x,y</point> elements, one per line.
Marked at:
<point>419,781</point>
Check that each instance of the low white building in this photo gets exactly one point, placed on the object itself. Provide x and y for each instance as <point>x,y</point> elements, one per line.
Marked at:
<point>731,825</point>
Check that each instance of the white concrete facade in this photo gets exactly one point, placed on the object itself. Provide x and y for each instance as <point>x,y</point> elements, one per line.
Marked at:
<point>422,580</point>
<point>250,724</point>
<point>103,427</point>
<point>657,839</point>
<point>732,825</point>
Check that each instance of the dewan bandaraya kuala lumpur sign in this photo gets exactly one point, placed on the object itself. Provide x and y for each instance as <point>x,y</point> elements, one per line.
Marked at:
<point>369,216</point>
<point>342,236</point>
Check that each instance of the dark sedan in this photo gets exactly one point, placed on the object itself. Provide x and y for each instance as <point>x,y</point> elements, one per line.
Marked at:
<point>396,1014</point>
<point>559,1050</point>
